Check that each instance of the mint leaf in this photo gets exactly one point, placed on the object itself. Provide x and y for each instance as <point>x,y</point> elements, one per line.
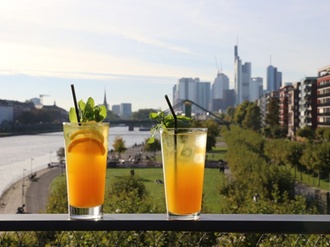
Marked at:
<point>73,115</point>
<point>167,121</point>
<point>88,112</point>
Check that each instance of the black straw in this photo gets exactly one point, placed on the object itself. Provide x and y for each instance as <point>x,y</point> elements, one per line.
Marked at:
<point>173,113</point>
<point>75,103</point>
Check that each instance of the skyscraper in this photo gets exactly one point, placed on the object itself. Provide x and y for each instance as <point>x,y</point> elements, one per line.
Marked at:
<point>219,86</point>
<point>274,79</point>
<point>203,95</point>
<point>256,88</point>
<point>185,89</point>
<point>242,78</point>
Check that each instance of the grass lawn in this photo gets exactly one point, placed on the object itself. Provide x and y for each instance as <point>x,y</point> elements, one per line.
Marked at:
<point>310,180</point>
<point>213,179</point>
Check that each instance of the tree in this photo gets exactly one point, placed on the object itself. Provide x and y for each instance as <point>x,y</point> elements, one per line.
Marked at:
<point>60,155</point>
<point>272,117</point>
<point>119,146</point>
<point>153,146</point>
<point>112,116</point>
<point>252,117</point>
<point>230,113</point>
<point>240,112</point>
<point>296,150</point>
<point>306,132</point>
<point>213,131</point>
<point>142,114</point>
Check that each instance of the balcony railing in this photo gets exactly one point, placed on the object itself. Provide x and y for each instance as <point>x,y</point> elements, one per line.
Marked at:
<point>289,230</point>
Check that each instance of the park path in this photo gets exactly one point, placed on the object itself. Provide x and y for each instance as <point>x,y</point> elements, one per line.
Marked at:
<point>34,194</point>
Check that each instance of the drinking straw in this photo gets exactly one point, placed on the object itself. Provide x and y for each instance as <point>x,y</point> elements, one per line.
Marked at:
<point>75,103</point>
<point>175,128</point>
<point>173,113</point>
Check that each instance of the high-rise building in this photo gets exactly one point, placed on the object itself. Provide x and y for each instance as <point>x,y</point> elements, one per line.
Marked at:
<point>115,109</point>
<point>125,110</point>
<point>220,84</point>
<point>185,89</point>
<point>203,96</point>
<point>256,88</point>
<point>242,78</point>
<point>274,79</point>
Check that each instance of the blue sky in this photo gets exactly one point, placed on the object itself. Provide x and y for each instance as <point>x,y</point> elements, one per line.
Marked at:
<point>137,50</point>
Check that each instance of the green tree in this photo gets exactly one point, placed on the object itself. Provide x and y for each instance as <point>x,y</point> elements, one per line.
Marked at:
<point>60,155</point>
<point>240,112</point>
<point>272,116</point>
<point>142,114</point>
<point>213,131</point>
<point>119,146</point>
<point>112,116</point>
<point>230,112</point>
<point>127,194</point>
<point>306,132</point>
<point>296,150</point>
<point>153,146</point>
<point>58,199</point>
<point>252,117</point>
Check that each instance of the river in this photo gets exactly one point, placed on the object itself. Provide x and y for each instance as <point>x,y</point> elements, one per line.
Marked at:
<point>22,155</point>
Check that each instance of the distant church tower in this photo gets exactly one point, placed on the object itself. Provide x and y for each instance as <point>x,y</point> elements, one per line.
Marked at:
<point>105,101</point>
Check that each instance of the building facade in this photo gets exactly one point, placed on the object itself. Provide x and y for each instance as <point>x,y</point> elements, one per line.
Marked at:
<point>242,78</point>
<point>293,109</point>
<point>308,102</point>
<point>125,110</point>
<point>323,97</point>
<point>256,88</point>
<point>219,86</point>
<point>284,105</point>
<point>274,79</point>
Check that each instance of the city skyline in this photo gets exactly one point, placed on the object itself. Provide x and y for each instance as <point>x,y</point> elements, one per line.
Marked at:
<point>137,51</point>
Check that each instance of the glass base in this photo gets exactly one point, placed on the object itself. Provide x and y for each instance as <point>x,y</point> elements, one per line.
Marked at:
<point>94,213</point>
<point>194,216</point>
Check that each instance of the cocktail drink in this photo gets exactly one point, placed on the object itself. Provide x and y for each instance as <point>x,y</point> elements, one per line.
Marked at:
<point>86,150</point>
<point>183,154</point>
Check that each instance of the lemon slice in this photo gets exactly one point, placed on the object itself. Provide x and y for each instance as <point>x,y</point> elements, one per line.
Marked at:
<point>87,133</point>
<point>86,145</point>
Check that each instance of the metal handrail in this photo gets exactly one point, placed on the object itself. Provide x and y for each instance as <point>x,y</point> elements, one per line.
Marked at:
<point>230,223</point>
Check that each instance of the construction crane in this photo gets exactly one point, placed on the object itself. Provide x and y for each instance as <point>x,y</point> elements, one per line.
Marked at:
<point>41,96</point>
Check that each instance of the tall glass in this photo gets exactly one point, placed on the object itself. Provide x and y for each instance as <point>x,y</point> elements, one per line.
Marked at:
<point>183,154</point>
<point>86,150</point>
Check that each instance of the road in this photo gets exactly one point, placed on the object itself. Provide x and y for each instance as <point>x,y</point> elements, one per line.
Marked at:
<point>38,192</point>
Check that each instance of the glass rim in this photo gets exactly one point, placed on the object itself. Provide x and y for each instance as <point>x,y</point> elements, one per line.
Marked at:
<point>183,130</point>
<point>86,123</point>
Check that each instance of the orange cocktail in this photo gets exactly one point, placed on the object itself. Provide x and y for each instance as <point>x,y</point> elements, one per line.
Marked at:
<point>183,156</point>
<point>86,149</point>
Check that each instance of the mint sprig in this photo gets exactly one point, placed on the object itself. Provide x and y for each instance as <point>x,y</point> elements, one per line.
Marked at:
<point>167,121</point>
<point>88,112</point>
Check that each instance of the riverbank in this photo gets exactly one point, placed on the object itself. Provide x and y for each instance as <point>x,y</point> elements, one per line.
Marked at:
<point>34,193</point>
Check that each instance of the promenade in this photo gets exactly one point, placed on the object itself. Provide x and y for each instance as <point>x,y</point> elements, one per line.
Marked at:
<point>34,194</point>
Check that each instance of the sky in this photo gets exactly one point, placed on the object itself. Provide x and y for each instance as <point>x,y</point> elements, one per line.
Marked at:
<point>136,51</point>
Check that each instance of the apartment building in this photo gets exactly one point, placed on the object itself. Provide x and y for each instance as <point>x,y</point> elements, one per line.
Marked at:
<point>323,97</point>
<point>284,103</point>
<point>293,109</point>
<point>308,102</point>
